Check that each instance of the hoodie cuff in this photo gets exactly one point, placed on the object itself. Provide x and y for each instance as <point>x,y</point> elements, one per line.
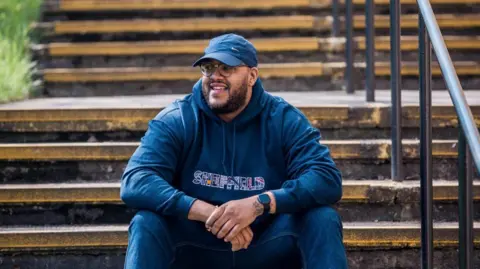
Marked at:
<point>284,202</point>
<point>184,204</point>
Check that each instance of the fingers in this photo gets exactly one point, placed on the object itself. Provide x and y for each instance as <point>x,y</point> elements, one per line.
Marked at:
<point>236,244</point>
<point>242,240</point>
<point>248,235</point>
<point>217,213</point>
<point>233,233</point>
<point>239,242</point>
<point>225,229</point>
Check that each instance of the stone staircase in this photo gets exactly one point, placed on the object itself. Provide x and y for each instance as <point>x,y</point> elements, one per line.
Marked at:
<point>108,67</point>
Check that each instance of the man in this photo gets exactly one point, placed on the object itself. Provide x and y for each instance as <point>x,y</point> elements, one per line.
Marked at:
<point>232,177</point>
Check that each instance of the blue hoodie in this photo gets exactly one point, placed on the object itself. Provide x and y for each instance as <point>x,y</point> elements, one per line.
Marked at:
<point>189,153</point>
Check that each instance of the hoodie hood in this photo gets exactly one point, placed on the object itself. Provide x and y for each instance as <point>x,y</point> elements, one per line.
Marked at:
<point>254,107</point>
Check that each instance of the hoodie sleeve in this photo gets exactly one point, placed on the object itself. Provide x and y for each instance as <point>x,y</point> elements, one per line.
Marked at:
<point>147,179</point>
<point>313,178</point>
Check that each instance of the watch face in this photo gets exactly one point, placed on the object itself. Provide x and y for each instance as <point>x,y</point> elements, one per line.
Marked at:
<point>264,199</point>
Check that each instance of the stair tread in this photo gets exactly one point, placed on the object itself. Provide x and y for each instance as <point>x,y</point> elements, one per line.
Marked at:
<point>96,5</point>
<point>325,110</point>
<point>371,191</point>
<point>285,22</point>
<point>121,151</point>
<point>277,70</point>
<point>386,225</point>
<point>333,99</point>
<point>287,44</point>
<point>360,234</point>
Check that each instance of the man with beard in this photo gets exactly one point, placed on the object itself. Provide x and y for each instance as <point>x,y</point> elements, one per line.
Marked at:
<point>232,177</point>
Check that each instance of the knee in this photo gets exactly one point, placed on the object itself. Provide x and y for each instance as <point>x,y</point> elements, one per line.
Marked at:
<point>324,216</point>
<point>148,221</point>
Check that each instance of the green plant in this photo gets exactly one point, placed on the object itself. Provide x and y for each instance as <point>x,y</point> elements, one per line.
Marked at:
<point>16,67</point>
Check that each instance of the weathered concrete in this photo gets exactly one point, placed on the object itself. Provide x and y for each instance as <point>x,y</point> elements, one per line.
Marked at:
<point>126,135</point>
<point>361,191</point>
<point>326,84</point>
<point>154,60</point>
<point>114,259</point>
<point>99,214</point>
<point>111,171</point>
<point>329,111</point>
<point>380,235</point>
<point>378,150</point>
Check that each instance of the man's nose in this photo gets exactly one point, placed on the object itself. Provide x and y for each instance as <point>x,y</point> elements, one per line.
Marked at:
<point>216,74</point>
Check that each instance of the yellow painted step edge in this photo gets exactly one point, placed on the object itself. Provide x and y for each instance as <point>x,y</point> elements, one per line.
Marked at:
<point>383,234</point>
<point>264,23</point>
<point>100,193</point>
<point>98,5</point>
<point>263,45</point>
<point>122,151</point>
<point>284,70</point>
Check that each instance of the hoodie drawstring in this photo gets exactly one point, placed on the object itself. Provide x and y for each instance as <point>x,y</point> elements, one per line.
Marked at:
<point>234,143</point>
<point>224,150</point>
<point>232,165</point>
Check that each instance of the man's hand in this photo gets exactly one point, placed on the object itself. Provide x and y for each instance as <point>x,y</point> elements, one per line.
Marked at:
<point>232,217</point>
<point>242,240</point>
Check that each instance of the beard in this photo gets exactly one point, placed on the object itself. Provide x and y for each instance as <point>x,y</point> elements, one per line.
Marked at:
<point>236,98</point>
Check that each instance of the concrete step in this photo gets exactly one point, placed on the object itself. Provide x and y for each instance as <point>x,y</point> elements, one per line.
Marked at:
<point>99,5</point>
<point>384,245</point>
<point>312,76</point>
<point>80,162</point>
<point>249,26</point>
<point>125,118</point>
<point>270,50</point>
<point>99,203</point>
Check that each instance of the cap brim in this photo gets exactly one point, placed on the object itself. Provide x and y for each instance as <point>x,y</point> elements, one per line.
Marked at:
<point>221,57</point>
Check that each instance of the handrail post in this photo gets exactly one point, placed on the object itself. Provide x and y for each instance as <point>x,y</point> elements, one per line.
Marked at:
<point>336,19</point>
<point>426,183</point>
<point>465,203</point>
<point>349,46</point>
<point>396,85</point>
<point>370,45</point>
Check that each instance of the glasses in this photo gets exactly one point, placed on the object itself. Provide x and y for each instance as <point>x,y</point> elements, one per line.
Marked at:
<point>208,69</point>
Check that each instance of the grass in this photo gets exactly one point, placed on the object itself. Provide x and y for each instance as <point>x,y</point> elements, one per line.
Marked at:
<point>16,67</point>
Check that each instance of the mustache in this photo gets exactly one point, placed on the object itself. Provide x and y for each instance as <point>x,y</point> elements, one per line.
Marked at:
<point>210,82</point>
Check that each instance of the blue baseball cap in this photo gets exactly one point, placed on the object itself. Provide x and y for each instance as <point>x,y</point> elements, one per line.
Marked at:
<point>230,49</point>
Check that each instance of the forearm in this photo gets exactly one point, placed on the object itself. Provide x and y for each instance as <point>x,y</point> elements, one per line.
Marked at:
<point>143,189</point>
<point>200,211</point>
<point>310,190</point>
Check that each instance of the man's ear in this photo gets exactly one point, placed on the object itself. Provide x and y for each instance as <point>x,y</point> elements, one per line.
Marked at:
<point>253,76</point>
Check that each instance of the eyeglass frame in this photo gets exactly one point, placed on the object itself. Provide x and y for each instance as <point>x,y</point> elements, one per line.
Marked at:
<point>217,65</point>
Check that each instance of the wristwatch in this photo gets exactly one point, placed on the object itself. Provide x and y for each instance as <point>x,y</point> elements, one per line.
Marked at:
<point>264,200</point>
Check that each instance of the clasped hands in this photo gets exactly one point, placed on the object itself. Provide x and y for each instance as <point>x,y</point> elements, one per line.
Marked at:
<point>231,221</point>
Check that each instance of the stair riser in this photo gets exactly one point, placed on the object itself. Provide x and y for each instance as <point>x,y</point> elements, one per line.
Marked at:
<point>357,259</point>
<point>183,35</point>
<point>86,214</point>
<point>258,33</point>
<point>80,89</point>
<point>111,171</point>
<point>189,59</point>
<point>151,13</point>
<point>135,136</point>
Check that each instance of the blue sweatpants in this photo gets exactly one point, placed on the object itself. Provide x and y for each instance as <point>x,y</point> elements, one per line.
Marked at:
<point>310,240</point>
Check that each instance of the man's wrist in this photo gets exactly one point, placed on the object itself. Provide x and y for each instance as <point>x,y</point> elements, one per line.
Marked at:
<point>273,204</point>
<point>200,211</point>
<point>260,208</point>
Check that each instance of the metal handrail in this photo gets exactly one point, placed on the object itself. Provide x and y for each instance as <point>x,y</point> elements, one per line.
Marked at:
<point>469,137</point>
<point>455,89</point>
